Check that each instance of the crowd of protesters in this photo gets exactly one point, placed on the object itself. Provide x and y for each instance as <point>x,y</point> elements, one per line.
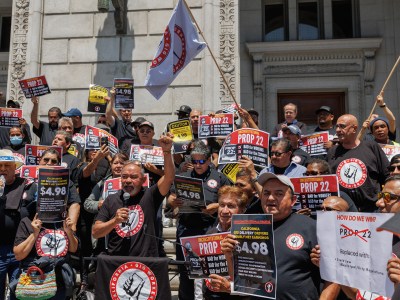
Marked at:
<point>93,224</point>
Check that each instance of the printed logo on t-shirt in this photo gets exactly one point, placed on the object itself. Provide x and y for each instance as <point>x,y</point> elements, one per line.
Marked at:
<point>52,243</point>
<point>296,159</point>
<point>365,295</point>
<point>64,165</point>
<point>212,183</point>
<point>351,173</point>
<point>294,241</point>
<point>134,223</point>
<point>133,280</point>
<point>269,287</point>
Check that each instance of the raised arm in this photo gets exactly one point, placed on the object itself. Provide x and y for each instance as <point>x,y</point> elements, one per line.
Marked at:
<point>388,113</point>
<point>164,184</point>
<point>111,114</point>
<point>34,112</point>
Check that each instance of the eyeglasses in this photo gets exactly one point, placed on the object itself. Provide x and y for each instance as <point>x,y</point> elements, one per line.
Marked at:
<point>392,168</point>
<point>199,161</point>
<point>52,160</point>
<point>276,153</point>
<point>327,208</point>
<point>387,197</point>
<point>145,131</point>
<point>342,126</point>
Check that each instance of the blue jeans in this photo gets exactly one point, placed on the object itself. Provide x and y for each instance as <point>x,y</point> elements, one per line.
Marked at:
<point>8,265</point>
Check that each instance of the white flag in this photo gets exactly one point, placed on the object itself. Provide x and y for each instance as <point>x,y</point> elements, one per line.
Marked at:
<point>179,45</point>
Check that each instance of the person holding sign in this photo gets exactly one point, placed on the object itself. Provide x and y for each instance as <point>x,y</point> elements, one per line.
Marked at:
<point>294,236</point>
<point>17,198</point>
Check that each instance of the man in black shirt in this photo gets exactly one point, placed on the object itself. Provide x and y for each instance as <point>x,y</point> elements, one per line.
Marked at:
<point>128,216</point>
<point>45,131</point>
<point>293,134</point>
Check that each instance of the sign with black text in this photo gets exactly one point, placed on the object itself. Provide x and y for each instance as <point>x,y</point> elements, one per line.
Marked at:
<point>390,150</point>
<point>219,125</point>
<point>183,134</point>
<point>147,154</point>
<point>313,144</point>
<point>254,257</point>
<point>190,190</point>
<point>96,101</point>
<point>92,139</point>
<point>53,188</point>
<point>9,117</point>
<point>124,93</point>
<point>33,153</point>
<point>35,87</point>
<point>230,171</point>
<point>205,255</point>
<point>252,143</point>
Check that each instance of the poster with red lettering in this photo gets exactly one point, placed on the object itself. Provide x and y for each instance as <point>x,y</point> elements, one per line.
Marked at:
<point>35,87</point>
<point>313,144</point>
<point>219,125</point>
<point>9,117</point>
<point>312,190</point>
<point>252,143</point>
<point>205,255</point>
<point>33,153</point>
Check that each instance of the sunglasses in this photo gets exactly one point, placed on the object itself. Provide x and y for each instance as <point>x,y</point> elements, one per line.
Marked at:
<point>392,168</point>
<point>327,208</point>
<point>145,131</point>
<point>387,197</point>
<point>276,153</point>
<point>52,160</point>
<point>199,161</point>
<point>313,173</point>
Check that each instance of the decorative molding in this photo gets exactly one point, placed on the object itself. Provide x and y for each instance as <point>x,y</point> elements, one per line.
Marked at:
<point>18,50</point>
<point>228,40</point>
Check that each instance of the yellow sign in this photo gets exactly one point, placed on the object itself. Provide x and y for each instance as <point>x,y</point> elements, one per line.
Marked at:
<point>230,171</point>
<point>97,94</point>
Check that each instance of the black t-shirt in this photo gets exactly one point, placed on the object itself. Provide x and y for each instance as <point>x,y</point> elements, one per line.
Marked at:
<point>298,278</point>
<point>17,202</point>
<point>122,131</point>
<point>80,129</point>
<point>45,133</point>
<point>71,162</point>
<point>300,157</point>
<point>361,171</point>
<point>141,219</point>
<point>254,207</point>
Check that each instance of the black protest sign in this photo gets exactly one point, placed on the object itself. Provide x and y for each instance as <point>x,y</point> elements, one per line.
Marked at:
<point>183,135</point>
<point>124,93</point>
<point>34,87</point>
<point>52,194</point>
<point>190,190</point>
<point>254,256</point>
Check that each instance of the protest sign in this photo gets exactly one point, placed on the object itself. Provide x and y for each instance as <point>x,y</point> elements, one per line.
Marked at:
<point>183,134</point>
<point>312,190</point>
<point>390,150</point>
<point>205,255</point>
<point>233,109</point>
<point>219,125</point>
<point>79,138</point>
<point>92,139</point>
<point>96,100</point>
<point>230,171</point>
<point>32,172</point>
<point>313,144</point>
<point>191,191</point>
<point>19,158</point>
<point>53,189</point>
<point>9,117</point>
<point>33,153</point>
<point>353,253</point>
<point>113,185</point>
<point>147,154</point>
<point>123,93</point>
<point>254,256</point>
<point>35,87</point>
<point>252,143</point>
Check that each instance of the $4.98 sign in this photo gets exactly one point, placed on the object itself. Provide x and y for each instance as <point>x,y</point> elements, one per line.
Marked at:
<point>53,191</point>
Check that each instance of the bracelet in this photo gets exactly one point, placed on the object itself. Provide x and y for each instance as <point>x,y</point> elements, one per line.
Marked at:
<point>383,105</point>
<point>167,151</point>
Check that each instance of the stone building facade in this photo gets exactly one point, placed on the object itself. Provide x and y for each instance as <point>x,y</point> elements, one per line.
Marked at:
<point>74,45</point>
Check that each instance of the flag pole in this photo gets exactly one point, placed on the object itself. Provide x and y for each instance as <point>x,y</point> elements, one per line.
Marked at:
<point>212,55</point>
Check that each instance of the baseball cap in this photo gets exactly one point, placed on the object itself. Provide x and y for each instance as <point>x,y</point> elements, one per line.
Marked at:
<point>324,108</point>
<point>13,104</point>
<point>252,111</point>
<point>293,129</point>
<point>184,109</point>
<point>7,156</point>
<point>73,112</point>
<point>146,123</point>
<point>138,120</point>
<point>263,178</point>
<point>378,119</point>
<point>392,225</point>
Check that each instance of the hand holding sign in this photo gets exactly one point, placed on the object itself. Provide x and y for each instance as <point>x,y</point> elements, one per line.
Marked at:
<point>36,225</point>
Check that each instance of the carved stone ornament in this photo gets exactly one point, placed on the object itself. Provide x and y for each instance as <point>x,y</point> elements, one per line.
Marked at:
<point>227,49</point>
<point>18,49</point>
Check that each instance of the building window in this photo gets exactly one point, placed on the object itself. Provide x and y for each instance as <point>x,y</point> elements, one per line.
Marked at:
<point>308,16</point>
<point>276,26</point>
<point>345,18</point>
<point>5,33</point>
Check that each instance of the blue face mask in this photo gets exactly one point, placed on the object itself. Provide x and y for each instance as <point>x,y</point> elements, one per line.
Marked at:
<point>16,140</point>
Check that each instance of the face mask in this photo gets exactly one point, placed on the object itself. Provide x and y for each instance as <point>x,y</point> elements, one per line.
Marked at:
<point>16,140</point>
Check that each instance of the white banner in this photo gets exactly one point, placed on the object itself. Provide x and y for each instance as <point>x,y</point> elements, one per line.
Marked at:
<point>179,45</point>
<point>353,253</point>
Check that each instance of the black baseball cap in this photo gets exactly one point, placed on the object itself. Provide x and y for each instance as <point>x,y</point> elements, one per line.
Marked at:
<point>324,108</point>
<point>138,120</point>
<point>184,109</point>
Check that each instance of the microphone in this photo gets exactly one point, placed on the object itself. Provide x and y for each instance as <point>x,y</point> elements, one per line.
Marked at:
<point>125,199</point>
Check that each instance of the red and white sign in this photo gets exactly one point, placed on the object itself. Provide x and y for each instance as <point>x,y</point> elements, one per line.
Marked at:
<point>219,125</point>
<point>390,150</point>
<point>33,153</point>
<point>32,172</point>
<point>351,173</point>
<point>9,117</point>
<point>147,154</point>
<point>35,87</point>
<point>52,243</point>
<point>313,144</point>
<point>92,139</point>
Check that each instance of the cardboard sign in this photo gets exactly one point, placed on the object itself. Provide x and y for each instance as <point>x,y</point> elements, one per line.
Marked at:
<point>219,125</point>
<point>353,253</point>
<point>230,171</point>
<point>312,190</point>
<point>96,100</point>
<point>313,144</point>
<point>92,139</point>
<point>390,150</point>
<point>53,190</point>
<point>205,255</point>
<point>183,134</point>
<point>254,257</point>
<point>33,153</point>
<point>9,117</point>
<point>252,143</point>
<point>191,191</point>
<point>147,154</point>
<point>124,93</point>
<point>35,87</point>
